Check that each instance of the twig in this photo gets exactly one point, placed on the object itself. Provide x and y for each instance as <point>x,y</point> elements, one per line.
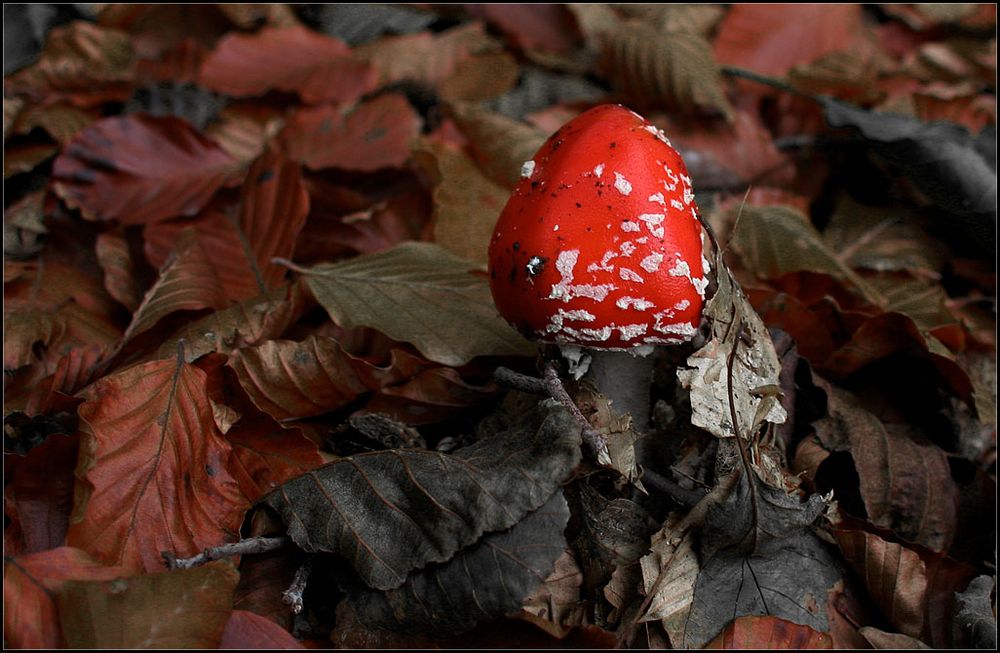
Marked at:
<point>508,378</point>
<point>293,595</point>
<point>250,545</point>
<point>594,440</point>
<point>681,495</point>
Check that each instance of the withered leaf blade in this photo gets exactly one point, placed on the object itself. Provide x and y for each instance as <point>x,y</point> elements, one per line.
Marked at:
<point>787,574</point>
<point>391,512</point>
<point>487,580</point>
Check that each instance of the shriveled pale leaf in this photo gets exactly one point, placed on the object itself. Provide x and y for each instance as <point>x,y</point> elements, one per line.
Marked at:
<point>12,108</point>
<point>296,380</point>
<point>152,474</point>
<point>373,135</point>
<point>501,144</point>
<point>184,608</point>
<point>25,157</point>
<point>974,612</point>
<point>675,70</point>
<point>25,326</point>
<point>880,639</point>
<point>739,340</point>
<point>615,532</point>
<point>295,59</point>
<point>557,601</point>
<point>760,633</point>
<point>675,566</point>
<point>240,135</point>
<point>24,226</point>
<point>433,504</point>
<point>187,283</point>
<point>466,202</point>
<point>775,240</point>
<point>61,121</point>
<point>246,630</point>
<point>418,293</point>
<point>30,585</point>
<point>782,569</point>
<point>485,581</point>
<point>138,169</point>
<point>481,77</point>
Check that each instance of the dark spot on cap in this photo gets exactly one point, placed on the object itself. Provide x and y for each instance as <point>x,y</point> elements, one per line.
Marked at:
<point>614,144</point>
<point>535,184</point>
<point>493,273</point>
<point>579,206</point>
<point>517,245</point>
<point>554,194</point>
<point>512,277</point>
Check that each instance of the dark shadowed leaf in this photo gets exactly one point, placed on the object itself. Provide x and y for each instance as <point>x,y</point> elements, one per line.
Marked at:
<point>539,88</point>
<point>905,481</point>
<point>418,293</point>
<point>675,70</point>
<point>360,23</point>
<point>294,59</point>
<point>433,504</point>
<point>757,633</point>
<point>152,474</point>
<point>535,26</point>
<point>184,608</point>
<point>487,580</point>
<point>120,278</point>
<point>265,454</point>
<point>373,135</point>
<point>941,160</point>
<point>30,586</point>
<point>501,144</point>
<point>60,121</point>
<point>246,630</point>
<point>138,169</point>
<point>38,495</point>
<point>787,574</point>
<point>975,612</point>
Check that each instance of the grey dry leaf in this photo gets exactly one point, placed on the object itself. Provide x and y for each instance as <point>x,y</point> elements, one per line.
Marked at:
<point>418,293</point>
<point>975,614</point>
<point>487,580</point>
<point>755,365</point>
<point>557,600</point>
<point>678,564</point>
<point>502,144</point>
<point>391,512</point>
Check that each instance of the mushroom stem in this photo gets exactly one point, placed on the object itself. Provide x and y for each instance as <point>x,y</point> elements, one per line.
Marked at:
<point>625,379</point>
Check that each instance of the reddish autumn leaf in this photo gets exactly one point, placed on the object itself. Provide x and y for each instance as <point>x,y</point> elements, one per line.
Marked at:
<point>246,630</point>
<point>430,396</point>
<point>30,583</point>
<point>295,59</point>
<point>272,209</point>
<point>532,26</point>
<point>770,39</point>
<point>73,371</point>
<point>139,169</point>
<point>263,579</point>
<point>38,495</point>
<point>769,633</point>
<point>373,135</point>
<point>120,277</point>
<point>153,470</point>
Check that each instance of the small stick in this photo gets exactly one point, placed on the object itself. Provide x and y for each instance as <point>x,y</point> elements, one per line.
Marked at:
<point>683,496</point>
<point>508,378</point>
<point>293,595</point>
<point>594,440</point>
<point>250,545</point>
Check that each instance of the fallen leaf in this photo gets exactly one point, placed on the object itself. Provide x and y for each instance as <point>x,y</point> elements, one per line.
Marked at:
<point>556,602</point>
<point>357,24</point>
<point>120,276</point>
<point>487,580</point>
<point>531,26</point>
<point>436,504</point>
<point>880,639</point>
<point>183,608</point>
<point>181,498</point>
<point>30,586</point>
<point>294,59</point>
<point>769,633</point>
<point>138,169</point>
<point>246,630</point>
<point>60,121</point>
<point>975,612</point>
<point>500,144</point>
<point>373,135</point>
<point>38,495</point>
<point>425,296</point>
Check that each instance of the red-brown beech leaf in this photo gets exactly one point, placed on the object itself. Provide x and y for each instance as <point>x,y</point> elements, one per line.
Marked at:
<point>187,283</point>
<point>295,380</point>
<point>373,135</point>
<point>30,583</point>
<point>152,475</point>
<point>771,39</point>
<point>38,495</point>
<point>295,59</point>
<point>246,630</point>
<point>912,586</point>
<point>139,169</point>
<point>532,26</point>
<point>119,271</point>
<point>905,483</point>
<point>433,504</point>
<point>183,608</point>
<point>487,580</point>
<point>767,632</point>
<point>273,206</point>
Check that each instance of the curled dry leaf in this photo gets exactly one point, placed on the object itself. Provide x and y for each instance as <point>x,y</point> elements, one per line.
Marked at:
<point>501,144</point>
<point>139,169</point>
<point>30,586</point>
<point>485,581</point>
<point>295,59</point>
<point>673,70</point>
<point>120,277</point>
<point>419,293</point>
<point>435,504</point>
<point>181,498</point>
<point>739,342</point>
<point>673,563</point>
<point>183,608</point>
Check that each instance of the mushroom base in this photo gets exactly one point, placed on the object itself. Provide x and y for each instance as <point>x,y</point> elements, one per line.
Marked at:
<point>626,379</point>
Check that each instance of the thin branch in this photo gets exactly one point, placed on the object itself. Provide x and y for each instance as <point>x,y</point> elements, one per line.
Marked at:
<point>250,545</point>
<point>594,440</point>
<point>508,378</point>
<point>681,495</point>
<point>293,595</point>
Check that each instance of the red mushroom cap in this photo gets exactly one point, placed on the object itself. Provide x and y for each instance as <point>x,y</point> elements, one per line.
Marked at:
<point>599,245</point>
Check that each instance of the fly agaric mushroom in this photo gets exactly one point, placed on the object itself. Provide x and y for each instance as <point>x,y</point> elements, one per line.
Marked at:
<point>599,246</point>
